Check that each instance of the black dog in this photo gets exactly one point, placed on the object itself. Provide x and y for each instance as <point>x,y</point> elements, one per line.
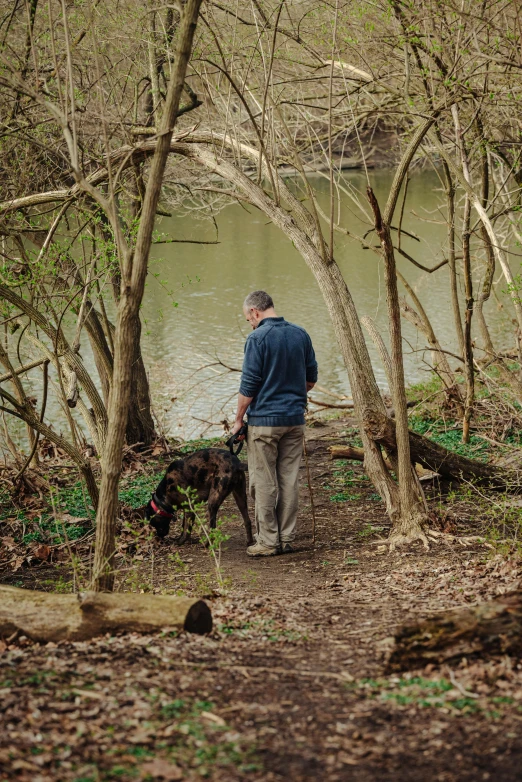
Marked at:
<point>214,474</point>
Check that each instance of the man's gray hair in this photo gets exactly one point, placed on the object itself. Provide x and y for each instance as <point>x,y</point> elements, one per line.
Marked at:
<point>258,300</point>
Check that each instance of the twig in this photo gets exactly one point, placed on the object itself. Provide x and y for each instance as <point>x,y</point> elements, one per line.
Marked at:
<point>347,406</point>
<point>27,462</point>
<point>460,688</point>
<point>309,479</point>
<point>208,665</point>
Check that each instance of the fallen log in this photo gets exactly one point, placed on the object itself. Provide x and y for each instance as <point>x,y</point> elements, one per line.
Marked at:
<point>45,616</point>
<point>488,629</point>
<point>342,406</point>
<point>436,458</point>
<point>351,452</point>
<point>357,454</point>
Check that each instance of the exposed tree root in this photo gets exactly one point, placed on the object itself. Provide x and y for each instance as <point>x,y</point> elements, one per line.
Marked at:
<point>463,540</point>
<point>407,530</point>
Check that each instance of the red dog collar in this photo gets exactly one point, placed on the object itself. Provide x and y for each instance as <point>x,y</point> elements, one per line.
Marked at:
<point>159,511</point>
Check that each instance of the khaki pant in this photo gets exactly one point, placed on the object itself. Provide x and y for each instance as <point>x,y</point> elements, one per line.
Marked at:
<point>274,458</point>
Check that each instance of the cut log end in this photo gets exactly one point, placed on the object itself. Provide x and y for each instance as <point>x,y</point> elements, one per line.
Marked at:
<point>199,619</point>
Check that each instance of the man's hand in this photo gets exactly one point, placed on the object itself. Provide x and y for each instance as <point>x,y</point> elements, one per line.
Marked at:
<point>309,386</point>
<point>242,406</point>
<point>237,426</point>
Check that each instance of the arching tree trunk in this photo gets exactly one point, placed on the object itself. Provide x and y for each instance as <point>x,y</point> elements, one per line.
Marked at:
<point>406,510</point>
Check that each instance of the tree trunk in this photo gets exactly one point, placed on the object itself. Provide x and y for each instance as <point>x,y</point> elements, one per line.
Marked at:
<point>25,412</point>
<point>492,628</point>
<point>28,415</point>
<point>411,521</point>
<point>500,253</point>
<point>71,359</point>
<point>134,270</point>
<point>140,424</point>
<point>337,297</point>
<point>509,377</point>
<point>46,616</point>
<point>352,452</point>
<point>468,282</point>
<point>450,200</point>
<point>100,350</point>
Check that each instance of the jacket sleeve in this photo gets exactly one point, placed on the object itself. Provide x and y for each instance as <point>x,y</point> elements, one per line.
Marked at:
<point>252,374</point>
<point>311,363</point>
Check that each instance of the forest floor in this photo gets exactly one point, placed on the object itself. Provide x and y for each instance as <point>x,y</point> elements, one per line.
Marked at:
<point>291,683</point>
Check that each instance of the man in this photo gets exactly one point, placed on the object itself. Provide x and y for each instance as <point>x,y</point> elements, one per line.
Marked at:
<point>279,368</point>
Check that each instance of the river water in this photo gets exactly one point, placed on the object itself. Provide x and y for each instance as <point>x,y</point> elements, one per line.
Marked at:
<point>184,344</point>
<point>192,309</point>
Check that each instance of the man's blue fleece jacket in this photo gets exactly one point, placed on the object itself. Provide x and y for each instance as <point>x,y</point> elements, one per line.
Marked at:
<point>279,361</point>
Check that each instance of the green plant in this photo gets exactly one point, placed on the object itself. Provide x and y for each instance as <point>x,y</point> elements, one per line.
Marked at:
<point>250,576</point>
<point>61,585</point>
<point>368,530</point>
<point>212,538</point>
<point>136,491</point>
<point>193,445</point>
<point>177,562</point>
<point>344,497</point>
<point>450,438</point>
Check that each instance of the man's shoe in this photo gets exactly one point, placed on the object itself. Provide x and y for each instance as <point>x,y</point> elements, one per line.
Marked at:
<point>260,550</point>
<point>286,548</point>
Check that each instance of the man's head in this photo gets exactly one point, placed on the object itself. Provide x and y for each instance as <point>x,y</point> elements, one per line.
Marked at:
<point>257,306</point>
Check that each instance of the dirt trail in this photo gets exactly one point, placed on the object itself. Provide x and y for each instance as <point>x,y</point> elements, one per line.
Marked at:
<point>290,684</point>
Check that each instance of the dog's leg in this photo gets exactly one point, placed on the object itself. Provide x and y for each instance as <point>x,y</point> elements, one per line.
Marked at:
<point>188,520</point>
<point>241,501</point>
<point>214,503</point>
<point>212,510</point>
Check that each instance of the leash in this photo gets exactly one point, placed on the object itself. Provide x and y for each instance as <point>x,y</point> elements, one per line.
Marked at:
<point>308,478</point>
<point>233,440</point>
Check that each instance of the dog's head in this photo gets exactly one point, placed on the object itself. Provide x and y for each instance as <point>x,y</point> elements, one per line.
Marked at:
<point>159,514</point>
